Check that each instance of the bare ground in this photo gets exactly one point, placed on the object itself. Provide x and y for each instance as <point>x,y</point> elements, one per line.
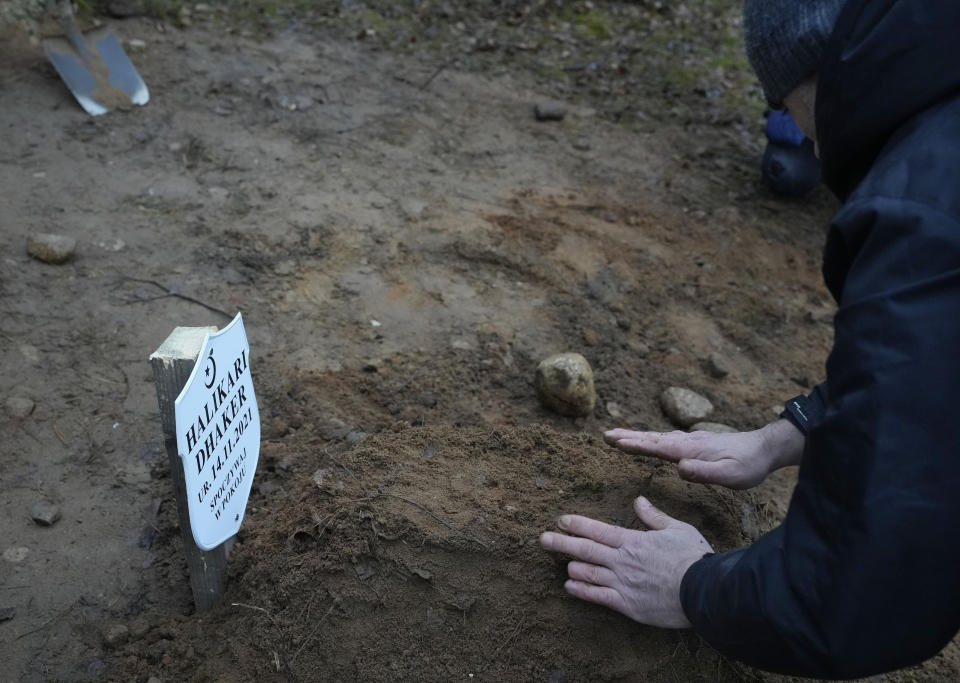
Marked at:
<point>320,171</point>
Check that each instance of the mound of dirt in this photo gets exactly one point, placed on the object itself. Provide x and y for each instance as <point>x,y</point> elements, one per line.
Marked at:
<point>415,556</point>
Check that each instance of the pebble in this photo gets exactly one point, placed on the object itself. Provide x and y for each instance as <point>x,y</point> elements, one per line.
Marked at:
<point>640,348</point>
<point>115,635</point>
<point>614,409</point>
<point>717,365</point>
<point>139,628</point>
<point>19,407</point>
<point>122,9</point>
<point>550,111</point>
<point>355,437</point>
<point>218,194</point>
<point>45,513</point>
<point>50,248</point>
<point>728,214</point>
<point>685,407</point>
<point>714,427</point>
<point>294,102</point>
<point>16,554</point>
<point>590,337</point>
<point>564,384</point>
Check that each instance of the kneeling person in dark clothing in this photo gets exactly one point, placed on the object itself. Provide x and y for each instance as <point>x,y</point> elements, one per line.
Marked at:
<point>863,575</point>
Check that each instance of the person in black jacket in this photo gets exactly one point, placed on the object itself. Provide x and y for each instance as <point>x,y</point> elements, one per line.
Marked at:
<point>863,575</point>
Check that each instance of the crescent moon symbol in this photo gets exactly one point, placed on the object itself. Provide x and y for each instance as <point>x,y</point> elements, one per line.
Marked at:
<point>211,375</point>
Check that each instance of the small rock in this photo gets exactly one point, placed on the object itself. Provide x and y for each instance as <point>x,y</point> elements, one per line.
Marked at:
<point>820,315</point>
<point>285,268</point>
<point>294,102</point>
<point>639,347</point>
<point>7,613</point>
<point>728,214</point>
<point>175,147</point>
<point>614,409</point>
<point>715,427</point>
<point>50,248</point>
<point>267,487</point>
<point>777,409</point>
<point>154,679</point>
<point>16,554</point>
<point>218,194</point>
<point>137,45</point>
<point>564,383</point>
<point>45,513</point>
<point>121,9</point>
<point>139,628</point>
<point>550,111</point>
<point>590,337</point>
<point>422,573</point>
<point>31,353</point>
<point>115,635</point>
<point>19,407</point>
<point>717,366</point>
<point>685,407</point>
<point>355,437</point>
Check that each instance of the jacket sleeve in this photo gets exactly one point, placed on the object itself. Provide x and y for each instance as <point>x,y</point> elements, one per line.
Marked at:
<point>863,575</point>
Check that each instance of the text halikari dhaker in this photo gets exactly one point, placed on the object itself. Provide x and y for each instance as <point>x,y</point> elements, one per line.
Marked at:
<point>218,435</point>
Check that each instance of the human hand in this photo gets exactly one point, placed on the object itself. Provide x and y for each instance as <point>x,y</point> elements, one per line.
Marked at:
<point>636,573</point>
<point>738,461</point>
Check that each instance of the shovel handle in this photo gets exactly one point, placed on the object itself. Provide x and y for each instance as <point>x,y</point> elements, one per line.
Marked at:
<point>69,25</point>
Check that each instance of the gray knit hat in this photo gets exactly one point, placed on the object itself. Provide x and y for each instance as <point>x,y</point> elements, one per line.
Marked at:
<point>785,41</point>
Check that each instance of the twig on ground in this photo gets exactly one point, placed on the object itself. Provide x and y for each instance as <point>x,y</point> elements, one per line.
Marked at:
<point>259,609</point>
<point>168,292</point>
<point>440,69</point>
<point>312,633</point>
<point>55,617</point>
<point>516,632</point>
<point>56,430</point>
<point>345,468</point>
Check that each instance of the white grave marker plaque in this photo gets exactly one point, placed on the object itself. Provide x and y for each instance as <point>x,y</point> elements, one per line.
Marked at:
<point>218,435</point>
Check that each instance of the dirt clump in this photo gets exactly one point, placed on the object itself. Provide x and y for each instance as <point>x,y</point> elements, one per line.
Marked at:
<point>415,556</point>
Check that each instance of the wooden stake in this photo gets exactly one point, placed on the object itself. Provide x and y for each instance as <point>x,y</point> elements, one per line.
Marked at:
<point>172,364</point>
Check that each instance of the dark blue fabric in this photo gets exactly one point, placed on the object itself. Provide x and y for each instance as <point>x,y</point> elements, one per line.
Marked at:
<point>863,576</point>
<point>782,129</point>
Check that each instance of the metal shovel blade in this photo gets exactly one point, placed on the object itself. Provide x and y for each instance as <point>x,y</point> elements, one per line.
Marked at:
<point>96,70</point>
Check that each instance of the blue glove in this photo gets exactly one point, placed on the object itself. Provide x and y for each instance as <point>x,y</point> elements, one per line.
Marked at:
<point>782,130</point>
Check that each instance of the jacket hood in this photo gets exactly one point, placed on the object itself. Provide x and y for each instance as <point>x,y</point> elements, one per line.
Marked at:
<point>886,61</point>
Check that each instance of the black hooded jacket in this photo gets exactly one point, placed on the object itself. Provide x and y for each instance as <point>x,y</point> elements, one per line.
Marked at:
<point>863,575</point>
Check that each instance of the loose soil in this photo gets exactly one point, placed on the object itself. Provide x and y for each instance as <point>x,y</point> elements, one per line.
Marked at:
<point>406,242</point>
<point>414,556</point>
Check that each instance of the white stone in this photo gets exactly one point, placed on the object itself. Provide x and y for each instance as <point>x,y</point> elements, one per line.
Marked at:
<point>564,383</point>
<point>50,248</point>
<point>19,407</point>
<point>685,407</point>
<point>16,554</point>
